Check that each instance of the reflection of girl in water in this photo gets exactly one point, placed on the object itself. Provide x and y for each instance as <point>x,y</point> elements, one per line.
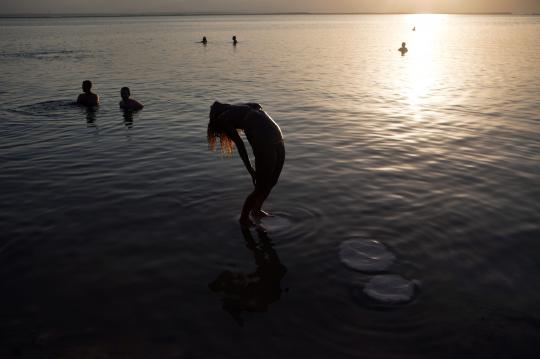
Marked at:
<point>266,141</point>
<point>255,291</point>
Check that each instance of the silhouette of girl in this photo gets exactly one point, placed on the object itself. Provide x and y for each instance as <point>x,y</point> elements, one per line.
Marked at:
<point>266,141</point>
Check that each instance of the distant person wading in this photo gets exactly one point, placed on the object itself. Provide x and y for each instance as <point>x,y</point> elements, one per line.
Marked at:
<point>403,49</point>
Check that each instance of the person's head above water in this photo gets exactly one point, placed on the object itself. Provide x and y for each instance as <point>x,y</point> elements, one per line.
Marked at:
<point>403,44</point>
<point>215,129</point>
<point>87,86</point>
<point>128,103</point>
<point>88,98</point>
<point>125,93</point>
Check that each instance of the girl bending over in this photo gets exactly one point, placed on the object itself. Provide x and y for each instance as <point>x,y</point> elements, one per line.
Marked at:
<point>266,141</point>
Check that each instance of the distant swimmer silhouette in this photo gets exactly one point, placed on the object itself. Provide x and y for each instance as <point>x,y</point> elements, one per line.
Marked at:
<point>403,49</point>
<point>234,40</point>
<point>266,141</point>
<point>87,98</point>
<point>204,41</point>
<point>128,103</point>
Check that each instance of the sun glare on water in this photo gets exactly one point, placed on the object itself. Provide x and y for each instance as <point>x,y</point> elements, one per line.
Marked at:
<point>423,61</point>
<point>419,75</point>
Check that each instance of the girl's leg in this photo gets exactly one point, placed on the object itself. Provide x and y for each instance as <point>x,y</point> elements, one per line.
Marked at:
<point>264,163</point>
<point>259,200</point>
<point>248,205</point>
<point>270,171</point>
<point>280,154</point>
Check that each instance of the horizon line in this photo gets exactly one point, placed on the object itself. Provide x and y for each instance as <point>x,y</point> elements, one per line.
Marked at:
<point>148,14</point>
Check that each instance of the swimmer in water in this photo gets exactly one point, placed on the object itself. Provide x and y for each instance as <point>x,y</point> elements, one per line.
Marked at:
<point>87,98</point>
<point>204,41</point>
<point>128,103</point>
<point>403,49</point>
<point>266,141</point>
<point>234,40</point>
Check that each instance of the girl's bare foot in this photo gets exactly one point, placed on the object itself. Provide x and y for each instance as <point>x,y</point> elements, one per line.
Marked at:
<point>260,214</point>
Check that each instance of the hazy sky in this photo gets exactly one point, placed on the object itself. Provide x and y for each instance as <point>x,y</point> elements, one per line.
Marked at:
<point>135,6</point>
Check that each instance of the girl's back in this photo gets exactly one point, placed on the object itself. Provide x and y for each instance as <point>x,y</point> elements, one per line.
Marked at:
<point>261,129</point>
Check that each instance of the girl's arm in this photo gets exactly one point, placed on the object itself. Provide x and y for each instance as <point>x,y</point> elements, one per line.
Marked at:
<point>233,135</point>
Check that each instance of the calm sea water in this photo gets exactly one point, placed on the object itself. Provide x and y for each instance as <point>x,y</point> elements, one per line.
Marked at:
<point>120,236</point>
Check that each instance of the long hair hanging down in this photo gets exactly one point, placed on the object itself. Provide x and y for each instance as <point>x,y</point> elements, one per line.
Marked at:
<point>214,131</point>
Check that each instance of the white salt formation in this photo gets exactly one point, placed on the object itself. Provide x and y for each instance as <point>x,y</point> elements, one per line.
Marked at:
<point>390,288</point>
<point>366,255</point>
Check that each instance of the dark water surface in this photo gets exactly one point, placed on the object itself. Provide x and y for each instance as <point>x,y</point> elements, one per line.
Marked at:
<point>119,235</point>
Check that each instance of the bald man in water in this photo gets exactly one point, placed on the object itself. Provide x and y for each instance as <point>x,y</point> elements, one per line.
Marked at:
<point>88,98</point>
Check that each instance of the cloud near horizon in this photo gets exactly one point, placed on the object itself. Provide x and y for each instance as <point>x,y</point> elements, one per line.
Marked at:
<point>239,6</point>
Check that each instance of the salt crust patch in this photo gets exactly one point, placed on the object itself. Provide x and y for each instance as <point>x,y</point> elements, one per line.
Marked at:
<point>366,255</point>
<point>390,288</point>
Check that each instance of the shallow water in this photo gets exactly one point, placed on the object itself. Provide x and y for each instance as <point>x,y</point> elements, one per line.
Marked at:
<point>119,235</point>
